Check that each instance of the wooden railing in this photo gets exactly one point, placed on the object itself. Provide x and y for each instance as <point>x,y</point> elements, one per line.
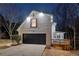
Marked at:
<point>65,44</point>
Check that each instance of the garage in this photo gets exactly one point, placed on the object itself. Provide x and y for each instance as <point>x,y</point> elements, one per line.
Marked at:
<point>36,29</point>
<point>34,38</point>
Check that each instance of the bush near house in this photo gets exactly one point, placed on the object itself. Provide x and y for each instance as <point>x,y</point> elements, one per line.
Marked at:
<point>16,39</point>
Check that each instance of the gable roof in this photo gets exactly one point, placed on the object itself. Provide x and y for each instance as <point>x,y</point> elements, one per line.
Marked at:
<point>31,14</point>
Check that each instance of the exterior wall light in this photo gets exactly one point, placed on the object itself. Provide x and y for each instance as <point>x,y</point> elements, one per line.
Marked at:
<point>51,19</point>
<point>41,14</point>
<point>28,19</point>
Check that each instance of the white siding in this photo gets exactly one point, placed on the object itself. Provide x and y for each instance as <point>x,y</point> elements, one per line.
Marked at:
<point>43,26</point>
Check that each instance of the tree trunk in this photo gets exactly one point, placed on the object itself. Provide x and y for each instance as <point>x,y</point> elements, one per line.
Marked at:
<point>74,39</point>
<point>0,33</point>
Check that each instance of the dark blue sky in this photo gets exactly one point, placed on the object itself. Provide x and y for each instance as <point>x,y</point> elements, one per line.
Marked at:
<point>24,9</point>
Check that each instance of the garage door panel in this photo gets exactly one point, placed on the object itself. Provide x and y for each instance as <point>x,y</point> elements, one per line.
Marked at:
<point>34,38</point>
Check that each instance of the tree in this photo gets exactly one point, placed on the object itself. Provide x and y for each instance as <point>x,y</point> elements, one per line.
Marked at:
<point>1,21</point>
<point>71,16</point>
<point>60,15</point>
<point>0,24</point>
<point>66,15</point>
<point>10,24</point>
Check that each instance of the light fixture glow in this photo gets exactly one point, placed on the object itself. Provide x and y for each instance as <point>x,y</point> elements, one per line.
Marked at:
<point>41,14</point>
<point>51,17</point>
<point>28,19</point>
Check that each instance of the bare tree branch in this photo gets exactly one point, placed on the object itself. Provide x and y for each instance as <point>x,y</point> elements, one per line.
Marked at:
<point>6,28</point>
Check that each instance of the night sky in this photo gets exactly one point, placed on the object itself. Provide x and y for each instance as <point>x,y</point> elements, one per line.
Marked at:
<point>23,10</point>
<point>59,11</point>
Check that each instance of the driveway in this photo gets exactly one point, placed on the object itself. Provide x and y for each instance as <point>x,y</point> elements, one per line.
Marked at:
<point>23,50</point>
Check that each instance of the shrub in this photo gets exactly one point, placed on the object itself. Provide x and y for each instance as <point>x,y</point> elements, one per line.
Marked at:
<point>16,38</point>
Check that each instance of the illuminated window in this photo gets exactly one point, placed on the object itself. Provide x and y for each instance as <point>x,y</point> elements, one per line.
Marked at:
<point>33,22</point>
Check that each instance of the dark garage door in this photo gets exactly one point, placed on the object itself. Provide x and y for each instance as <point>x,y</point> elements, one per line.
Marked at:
<point>34,38</point>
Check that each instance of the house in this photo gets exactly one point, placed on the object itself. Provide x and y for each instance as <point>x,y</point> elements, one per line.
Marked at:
<point>56,35</point>
<point>37,28</point>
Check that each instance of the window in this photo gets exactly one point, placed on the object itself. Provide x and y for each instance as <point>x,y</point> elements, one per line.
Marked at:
<point>58,36</point>
<point>33,22</point>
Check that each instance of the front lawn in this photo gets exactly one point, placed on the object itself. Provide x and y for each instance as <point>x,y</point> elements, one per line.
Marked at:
<point>4,43</point>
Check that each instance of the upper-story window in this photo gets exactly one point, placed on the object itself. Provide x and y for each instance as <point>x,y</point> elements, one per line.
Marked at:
<point>33,22</point>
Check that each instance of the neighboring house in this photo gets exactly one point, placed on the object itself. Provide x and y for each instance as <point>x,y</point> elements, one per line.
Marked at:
<point>56,35</point>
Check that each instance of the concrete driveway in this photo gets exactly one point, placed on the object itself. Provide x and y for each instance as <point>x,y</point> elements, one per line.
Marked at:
<point>23,50</point>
